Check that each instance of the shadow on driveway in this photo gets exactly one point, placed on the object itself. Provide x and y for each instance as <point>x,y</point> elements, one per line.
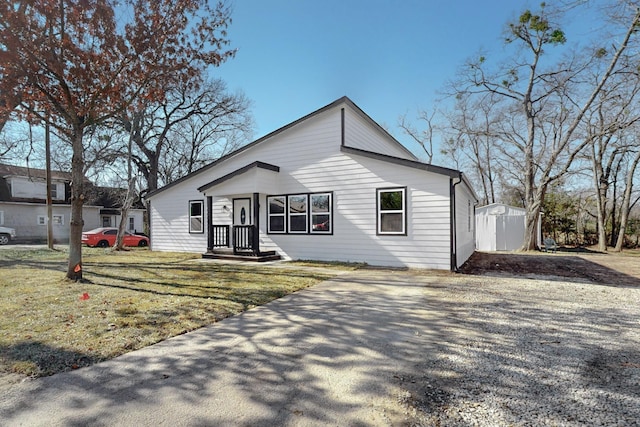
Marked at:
<point>373,348</point>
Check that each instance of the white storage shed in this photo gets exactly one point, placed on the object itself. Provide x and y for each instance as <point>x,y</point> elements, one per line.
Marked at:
<point>500,227</point>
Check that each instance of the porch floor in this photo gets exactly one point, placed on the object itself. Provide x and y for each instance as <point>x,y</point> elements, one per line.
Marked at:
<point>227,253</point>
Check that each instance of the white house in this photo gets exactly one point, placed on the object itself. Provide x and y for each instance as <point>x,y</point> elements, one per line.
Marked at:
<point>331,186</point>
<point>23,193</point>
<point>501,227</point>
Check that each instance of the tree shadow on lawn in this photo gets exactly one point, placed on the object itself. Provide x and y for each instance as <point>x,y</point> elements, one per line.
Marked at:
<point>580,268</point>
<point>361,349</point>
<point>41,359</point>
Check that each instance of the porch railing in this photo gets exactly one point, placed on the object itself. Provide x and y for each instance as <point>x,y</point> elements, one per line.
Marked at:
<point>220,235</point>
<point>243,238</point>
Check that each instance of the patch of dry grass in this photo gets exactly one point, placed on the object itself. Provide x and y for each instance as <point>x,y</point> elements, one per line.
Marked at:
<point>135,299</point>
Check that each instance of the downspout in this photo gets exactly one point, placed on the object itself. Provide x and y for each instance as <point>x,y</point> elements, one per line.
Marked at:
<point>475,230</point>
<point>453,234</point>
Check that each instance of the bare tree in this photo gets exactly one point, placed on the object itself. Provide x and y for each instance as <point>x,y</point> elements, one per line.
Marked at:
<point>625,208</point>
<point>80,64</point>
<point>546,100</point>
<point>424,138</point>
<point>472,136</point>
<point>189,126</point>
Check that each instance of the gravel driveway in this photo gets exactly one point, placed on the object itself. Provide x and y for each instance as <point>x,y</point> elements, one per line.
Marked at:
<point>527,352</point>
<point>376,348</point>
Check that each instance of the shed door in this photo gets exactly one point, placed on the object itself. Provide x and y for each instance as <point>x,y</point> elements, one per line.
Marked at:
<point>242,212</point>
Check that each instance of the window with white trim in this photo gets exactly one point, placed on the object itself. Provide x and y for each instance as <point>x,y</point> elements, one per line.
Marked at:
<point>132,223</point>
<point>391,207</point>
<point>298,211</point>
<point>55,220</point>
<point>276,214</point>
<point>196,218</point>
<point>320,213</point>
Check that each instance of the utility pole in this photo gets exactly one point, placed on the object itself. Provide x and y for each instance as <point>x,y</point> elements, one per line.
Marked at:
<point>47,148</point>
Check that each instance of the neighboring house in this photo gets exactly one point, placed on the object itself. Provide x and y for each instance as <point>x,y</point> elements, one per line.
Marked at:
<point>331,186</point>
<point>501,227</point>
<point>110,199</point>
<point>23,193</point>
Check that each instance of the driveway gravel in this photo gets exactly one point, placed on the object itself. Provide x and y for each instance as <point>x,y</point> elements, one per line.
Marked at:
<point>529,352</point>
<point>376,348</point>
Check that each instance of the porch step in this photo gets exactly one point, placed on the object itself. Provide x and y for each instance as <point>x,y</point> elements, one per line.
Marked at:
<point>229,255</point>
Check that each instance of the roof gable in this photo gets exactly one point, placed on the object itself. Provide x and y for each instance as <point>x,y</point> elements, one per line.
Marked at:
<point>242,170</point>
<point>341,101</point>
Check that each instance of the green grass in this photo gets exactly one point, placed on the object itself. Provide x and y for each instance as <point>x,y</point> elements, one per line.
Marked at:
<point>135,298</point>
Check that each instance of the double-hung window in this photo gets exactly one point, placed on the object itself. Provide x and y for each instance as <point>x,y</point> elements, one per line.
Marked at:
<point>276,214</point>
<point>392,211</point>
<point>196,218</point>
<point>321,213</point>
<point>298,210</point>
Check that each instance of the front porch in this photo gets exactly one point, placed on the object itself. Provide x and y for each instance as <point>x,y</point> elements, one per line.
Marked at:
<point>233,230</point>
<point>245,247</point>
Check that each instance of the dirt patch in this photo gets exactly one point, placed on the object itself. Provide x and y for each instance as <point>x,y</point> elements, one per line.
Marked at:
<point>607,269</point>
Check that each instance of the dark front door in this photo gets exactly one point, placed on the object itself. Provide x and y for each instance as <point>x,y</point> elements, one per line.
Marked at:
<point>242,226</point>
<point>242,214</point>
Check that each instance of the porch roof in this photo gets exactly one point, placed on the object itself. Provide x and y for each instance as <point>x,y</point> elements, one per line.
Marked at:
<point>256,177</point>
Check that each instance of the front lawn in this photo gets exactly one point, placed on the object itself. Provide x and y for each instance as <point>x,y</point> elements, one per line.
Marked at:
<point>129,300</point>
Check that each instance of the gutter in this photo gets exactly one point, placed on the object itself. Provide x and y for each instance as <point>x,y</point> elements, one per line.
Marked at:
<point>453,235</point>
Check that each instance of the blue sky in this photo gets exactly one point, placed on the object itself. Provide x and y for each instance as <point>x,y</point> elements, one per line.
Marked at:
<point>389,57</point>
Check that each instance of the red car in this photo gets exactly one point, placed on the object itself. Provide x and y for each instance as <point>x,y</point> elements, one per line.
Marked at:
<point>104,237</point>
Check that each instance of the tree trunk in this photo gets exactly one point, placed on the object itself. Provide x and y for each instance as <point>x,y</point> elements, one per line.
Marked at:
<point>613,214</point>
<point>74,269</point>
<point>602,229</point>
<point>154,168</point>
<point>626,201</point>
<point>601,185</point>
<point>532,207</point>
<point>128,201</point>
<point>124,214</point>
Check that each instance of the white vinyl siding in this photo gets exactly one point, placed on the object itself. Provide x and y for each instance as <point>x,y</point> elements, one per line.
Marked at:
<point>24,218</point>
<point>360,133</point>
<point>465,224</point>
<point>310,161</point>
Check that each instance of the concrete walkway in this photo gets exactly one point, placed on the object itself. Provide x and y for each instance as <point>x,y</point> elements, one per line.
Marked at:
<point>327,355</point>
